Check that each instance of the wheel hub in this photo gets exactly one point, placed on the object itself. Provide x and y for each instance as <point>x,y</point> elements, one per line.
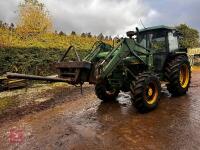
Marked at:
<point>150,91</point>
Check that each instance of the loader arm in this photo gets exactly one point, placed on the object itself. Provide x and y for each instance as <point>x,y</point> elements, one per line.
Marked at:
<point>119,53</point>
<point>94,51</point>
<point>97,48</point>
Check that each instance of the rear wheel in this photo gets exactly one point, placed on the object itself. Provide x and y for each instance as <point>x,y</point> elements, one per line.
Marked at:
<point>178,73</point>
<point>145,91</point>
<point>105,92</point>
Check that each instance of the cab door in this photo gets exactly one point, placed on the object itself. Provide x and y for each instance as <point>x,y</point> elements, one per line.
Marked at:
<point>157,43</point>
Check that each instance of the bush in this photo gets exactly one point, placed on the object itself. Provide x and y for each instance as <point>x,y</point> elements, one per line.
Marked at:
<point>35,54</point>
<point>34,60</point>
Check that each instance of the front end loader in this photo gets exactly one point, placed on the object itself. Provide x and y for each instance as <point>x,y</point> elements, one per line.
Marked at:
<point>137,64</point>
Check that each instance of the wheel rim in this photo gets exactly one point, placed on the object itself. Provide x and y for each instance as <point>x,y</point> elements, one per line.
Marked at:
<point>152,93</point>
<point>184,76</point>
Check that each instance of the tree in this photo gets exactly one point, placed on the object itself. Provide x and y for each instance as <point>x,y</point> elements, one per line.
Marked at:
<point>100,36</point>
<point>106,38</point>
<point>83,35</point>
<point>12,26</point>
<point>190,36</point>
<point>89,35</point>
<point>73,33</point>
<point>33,18</point>
<point>62,33</point>
<point>1,23</point>
<point>5,25</point>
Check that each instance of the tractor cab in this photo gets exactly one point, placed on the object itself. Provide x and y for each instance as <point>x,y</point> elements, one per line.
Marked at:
<point>161,41</point>
<point>159,38</point>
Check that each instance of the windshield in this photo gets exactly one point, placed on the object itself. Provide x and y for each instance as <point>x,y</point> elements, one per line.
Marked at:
<point>157,41</point>
<point>142,40</point>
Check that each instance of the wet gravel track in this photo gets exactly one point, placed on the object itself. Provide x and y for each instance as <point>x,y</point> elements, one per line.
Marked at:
<point>84,122</point>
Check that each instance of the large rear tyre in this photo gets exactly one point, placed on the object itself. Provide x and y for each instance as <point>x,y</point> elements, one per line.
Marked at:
<point>178,73</point>
<point>145,92</point>
<point>105,92</point>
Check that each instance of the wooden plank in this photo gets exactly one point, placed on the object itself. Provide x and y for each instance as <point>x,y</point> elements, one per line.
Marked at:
<point>11,84</point>
<point>16,84</point>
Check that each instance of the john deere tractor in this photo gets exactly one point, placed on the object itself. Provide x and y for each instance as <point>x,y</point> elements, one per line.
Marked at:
<point>139,64</point>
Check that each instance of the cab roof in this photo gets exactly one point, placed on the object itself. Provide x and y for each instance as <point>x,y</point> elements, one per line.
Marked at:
<point>161,27</point>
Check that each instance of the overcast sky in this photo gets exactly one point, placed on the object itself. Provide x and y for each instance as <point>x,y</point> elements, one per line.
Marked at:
<point>112,17</point>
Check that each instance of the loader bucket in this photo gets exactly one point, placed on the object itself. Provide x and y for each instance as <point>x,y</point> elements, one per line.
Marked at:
<point>76,71</point>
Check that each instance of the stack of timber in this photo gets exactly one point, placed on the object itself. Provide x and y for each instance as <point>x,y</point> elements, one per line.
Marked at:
<point>7,84</point>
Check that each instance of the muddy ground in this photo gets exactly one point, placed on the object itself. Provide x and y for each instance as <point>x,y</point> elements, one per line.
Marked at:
<point>62,118</point>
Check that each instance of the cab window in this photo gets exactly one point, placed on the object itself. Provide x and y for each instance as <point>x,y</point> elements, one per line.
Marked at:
<point>173,41</point>
<point>157,41</point>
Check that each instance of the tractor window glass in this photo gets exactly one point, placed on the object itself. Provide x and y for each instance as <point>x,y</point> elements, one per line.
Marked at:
<point>142,40</point>
<point>157,41</point>
<point>173,41</point>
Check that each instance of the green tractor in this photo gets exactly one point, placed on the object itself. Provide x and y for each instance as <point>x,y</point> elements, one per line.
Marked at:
<point>139,64</point>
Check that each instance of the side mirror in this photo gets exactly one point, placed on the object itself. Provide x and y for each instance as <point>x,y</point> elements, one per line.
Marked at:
<point>130,34</point>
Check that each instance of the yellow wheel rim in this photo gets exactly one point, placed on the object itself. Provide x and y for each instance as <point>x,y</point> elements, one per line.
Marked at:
<point>184,76</point>
<point>152,93</point>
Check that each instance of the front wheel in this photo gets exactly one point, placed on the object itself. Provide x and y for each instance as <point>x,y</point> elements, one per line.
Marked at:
<point>145,91</point>
<point>105,92</point>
